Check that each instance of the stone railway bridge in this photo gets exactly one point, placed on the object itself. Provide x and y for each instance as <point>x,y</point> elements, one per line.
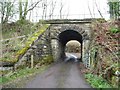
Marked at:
<point>53,41</point>
<point>50,45</point>
<point>62,33</point>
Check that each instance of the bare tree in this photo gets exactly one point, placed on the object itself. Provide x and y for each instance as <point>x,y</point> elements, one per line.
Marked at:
<point>6,10</point>
<point>61,8</point>
<point>24,9</point>
<point>93,9</point>
<point>44,6</point>
<point>89,10</point>
<point>98,9</point>
<point>67,14</point>
<point>1,38</point>
<point>52,5</point>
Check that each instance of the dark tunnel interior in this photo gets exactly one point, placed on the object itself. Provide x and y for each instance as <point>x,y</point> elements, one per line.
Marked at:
<point>65,37</point>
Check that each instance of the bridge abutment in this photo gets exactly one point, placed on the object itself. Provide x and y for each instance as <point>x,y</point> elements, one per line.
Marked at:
<point>86,53</point>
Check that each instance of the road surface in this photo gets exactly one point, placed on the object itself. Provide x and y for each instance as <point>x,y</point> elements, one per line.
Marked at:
<point>60,75</point>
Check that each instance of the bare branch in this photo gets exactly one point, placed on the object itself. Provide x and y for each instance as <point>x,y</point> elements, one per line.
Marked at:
<point>89,10</point>
<point>53,8</point>
<point>61,8</point>
<point>98,9</point>
<point>33,6</point>
<point>6,11</point>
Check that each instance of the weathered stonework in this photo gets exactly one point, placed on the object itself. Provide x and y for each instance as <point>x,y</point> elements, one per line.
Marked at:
<point>50,42</point>
<point>82,29</point>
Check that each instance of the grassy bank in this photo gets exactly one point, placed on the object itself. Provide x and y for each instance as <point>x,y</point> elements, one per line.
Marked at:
<point>13,49</point>
<point>20,75</point>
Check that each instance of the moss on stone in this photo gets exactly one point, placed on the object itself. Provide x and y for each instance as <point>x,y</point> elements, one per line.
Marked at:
<point>29,42</point>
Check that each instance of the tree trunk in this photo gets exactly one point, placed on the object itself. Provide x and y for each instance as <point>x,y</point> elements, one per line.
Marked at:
<point>20,9</point>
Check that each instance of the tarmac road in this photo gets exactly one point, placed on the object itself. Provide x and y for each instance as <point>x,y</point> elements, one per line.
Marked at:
<point>60,75</point>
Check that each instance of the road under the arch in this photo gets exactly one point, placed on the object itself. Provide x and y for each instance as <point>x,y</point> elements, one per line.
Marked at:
<point>60,75</point>
<point>65,37</point>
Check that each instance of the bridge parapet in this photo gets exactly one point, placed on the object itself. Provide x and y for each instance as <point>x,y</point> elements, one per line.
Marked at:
<point>71,21</point>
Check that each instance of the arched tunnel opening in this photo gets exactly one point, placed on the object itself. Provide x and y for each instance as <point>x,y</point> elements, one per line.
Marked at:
<point>65,37</point>
<point>73,48</point>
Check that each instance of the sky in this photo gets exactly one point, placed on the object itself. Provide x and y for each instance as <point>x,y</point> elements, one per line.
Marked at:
<point>72,9</point>
<point>77,9</point>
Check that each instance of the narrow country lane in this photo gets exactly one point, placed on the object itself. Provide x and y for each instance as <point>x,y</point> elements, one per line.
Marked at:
<point>61,75</point>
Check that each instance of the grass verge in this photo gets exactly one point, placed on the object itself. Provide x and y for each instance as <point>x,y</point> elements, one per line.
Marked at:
<point>96,81</point>
<point>19,75</point>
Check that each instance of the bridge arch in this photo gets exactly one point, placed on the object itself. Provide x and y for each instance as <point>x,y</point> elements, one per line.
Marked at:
<point>62,34</point>
<point>67,36</point>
